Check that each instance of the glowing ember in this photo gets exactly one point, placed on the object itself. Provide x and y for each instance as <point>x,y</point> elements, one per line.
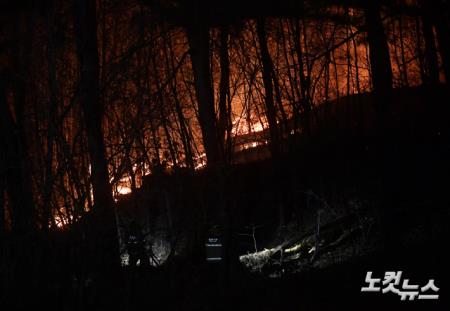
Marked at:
<point>201,161</point>
<point>61,220</point>
<point>123,190</point>
<point>241,126</point>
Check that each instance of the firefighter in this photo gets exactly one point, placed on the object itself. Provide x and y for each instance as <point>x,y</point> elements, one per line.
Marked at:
<point>136,245</point>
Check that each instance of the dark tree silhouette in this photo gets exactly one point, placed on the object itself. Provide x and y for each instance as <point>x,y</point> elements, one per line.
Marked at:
<point>431,60</point>
<point>89,96</point>
<point>16,168</point>
<point>103,226</point>
<point>267,71</point>
<point>13,127</point>
<point>224,126</point>
<point>198,36</point>
<point>438,11</point>
<point>380,60</point>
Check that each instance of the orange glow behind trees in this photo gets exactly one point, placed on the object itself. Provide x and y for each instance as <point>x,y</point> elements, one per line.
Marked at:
<point>147,88</point>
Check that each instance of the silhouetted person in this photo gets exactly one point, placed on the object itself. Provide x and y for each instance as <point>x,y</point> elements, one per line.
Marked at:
<point>136,245</point>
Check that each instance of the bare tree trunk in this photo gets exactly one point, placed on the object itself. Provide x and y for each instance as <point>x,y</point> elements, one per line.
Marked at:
<point>51,59</point>
<point>198,37</point>
<point>2,196</point>
<point>437,13</point>
<point>403,52</point>
<point>395,55</point>
<point>268,86</point>
<point>2,170</point>
<point>418,52</point>
<point>224,112</point>
<point>349,63</point>
<point>86,34</point>
<point>12,127</point>
<point>16,172</point>
<point>431,60</point>
<point>20,196</point>
<point>336,77</point>
<point>284,119</point>
<point>164,119</point>
<point>379,51</point>
<point>293,84</point>
<point>380,61</point>
<point>304,80</point>
<point>443,35</point>
<point>355,51</point>
<point>327,79</point>
<point>170,62</point>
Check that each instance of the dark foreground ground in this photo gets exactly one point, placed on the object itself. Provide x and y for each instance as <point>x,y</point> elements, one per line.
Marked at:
<point>203,288</point>
<point>403,176</point>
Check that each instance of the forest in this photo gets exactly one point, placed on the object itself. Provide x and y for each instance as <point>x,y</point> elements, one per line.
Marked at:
<point>222,155</point>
